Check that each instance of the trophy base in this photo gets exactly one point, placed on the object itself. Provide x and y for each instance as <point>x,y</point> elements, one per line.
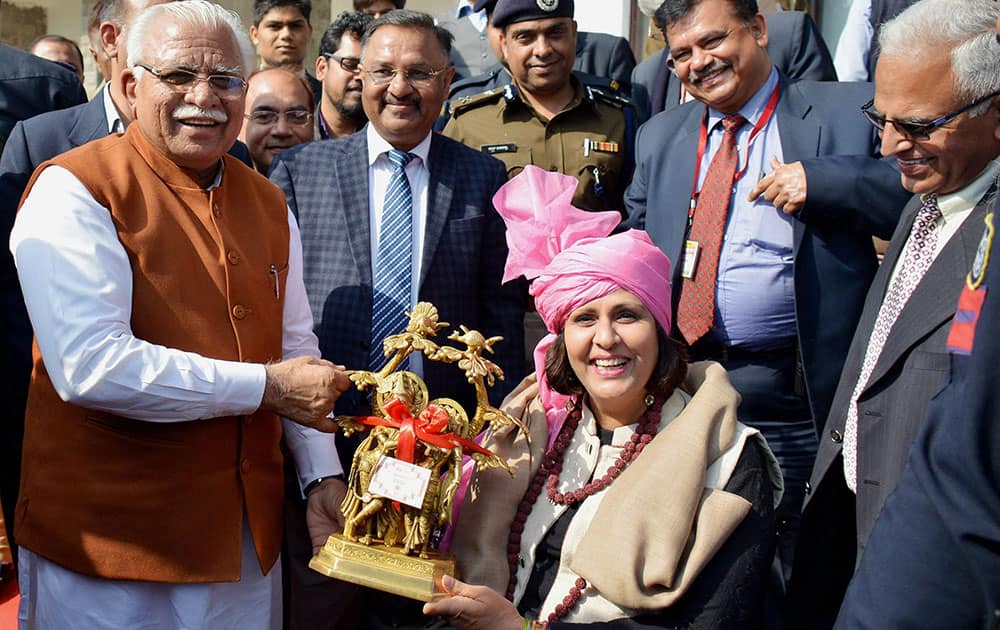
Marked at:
<point>384,568</point>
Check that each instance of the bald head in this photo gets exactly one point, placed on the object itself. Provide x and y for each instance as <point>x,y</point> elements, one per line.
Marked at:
<point>279,107</point>
<point>61,50</point>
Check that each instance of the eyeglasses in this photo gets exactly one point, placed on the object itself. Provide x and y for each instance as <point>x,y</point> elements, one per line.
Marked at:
<point>916,131</point>
<point>349,64</point>
<point>416,77</point>
<point>683,56</point>
<point>294,117</point>
<point>225,86</point>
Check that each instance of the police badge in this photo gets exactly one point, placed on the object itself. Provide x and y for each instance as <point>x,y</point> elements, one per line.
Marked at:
<point>962,334</point>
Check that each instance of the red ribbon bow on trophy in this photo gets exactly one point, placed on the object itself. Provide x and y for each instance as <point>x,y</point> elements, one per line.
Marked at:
<point>427,427</point>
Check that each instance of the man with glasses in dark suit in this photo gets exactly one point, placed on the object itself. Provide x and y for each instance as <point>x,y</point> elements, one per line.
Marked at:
<point>945,136</point>
<point>397,214</point>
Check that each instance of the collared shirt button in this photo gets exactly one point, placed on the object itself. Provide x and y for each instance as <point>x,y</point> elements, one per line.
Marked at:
<point>245,466</point>
<point>836,436</point>
<point>233,257</point>
<point>239,311</point>
<point>216,210</point>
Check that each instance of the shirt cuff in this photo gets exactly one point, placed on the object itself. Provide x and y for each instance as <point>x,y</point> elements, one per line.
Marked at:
<point>239,387</point>
<point>314,452</point>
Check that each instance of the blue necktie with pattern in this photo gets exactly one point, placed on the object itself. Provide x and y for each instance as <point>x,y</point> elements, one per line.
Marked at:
<point>391,283</point>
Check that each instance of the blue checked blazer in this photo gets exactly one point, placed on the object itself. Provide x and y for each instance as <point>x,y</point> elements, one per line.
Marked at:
<point>326,184</point>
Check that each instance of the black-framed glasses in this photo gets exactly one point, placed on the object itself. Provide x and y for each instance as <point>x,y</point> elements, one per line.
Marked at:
<point>348,64</point>
<point>917,131</point>
<point>225,86</point>
<point>293,117</point>
<point>416,77</point>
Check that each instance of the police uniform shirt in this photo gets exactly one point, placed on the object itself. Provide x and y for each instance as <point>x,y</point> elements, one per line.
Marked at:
<point>591,138</point>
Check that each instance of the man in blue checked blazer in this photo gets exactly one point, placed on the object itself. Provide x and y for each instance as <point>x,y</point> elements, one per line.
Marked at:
<point>336,189</point>
<point>345,194</point>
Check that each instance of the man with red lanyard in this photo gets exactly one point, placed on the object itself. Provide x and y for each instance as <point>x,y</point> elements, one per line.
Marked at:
<point>765,193</point>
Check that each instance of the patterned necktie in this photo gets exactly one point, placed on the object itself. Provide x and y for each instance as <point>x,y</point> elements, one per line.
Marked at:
<point>917,258</point>
<point>391,284</point>
<point>696,308</point>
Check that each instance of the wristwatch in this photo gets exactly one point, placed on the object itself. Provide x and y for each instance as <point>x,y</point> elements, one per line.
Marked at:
<point>312,485</point>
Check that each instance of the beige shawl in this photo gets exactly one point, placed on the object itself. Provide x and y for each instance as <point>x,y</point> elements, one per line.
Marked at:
<point>640,551</point>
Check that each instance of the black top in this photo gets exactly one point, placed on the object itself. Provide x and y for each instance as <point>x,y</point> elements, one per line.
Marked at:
<point>730,590</point>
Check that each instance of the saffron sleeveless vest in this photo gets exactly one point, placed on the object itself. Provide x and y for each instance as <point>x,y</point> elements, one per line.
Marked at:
<point>114,497</point>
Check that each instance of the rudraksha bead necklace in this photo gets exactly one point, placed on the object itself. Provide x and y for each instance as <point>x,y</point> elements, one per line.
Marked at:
<point>548,474</point>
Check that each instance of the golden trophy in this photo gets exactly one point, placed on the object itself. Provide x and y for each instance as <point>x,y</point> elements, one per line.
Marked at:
<point>405,473</point>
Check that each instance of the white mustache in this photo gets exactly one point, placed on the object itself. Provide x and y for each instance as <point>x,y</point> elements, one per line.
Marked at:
<point>188,111</point>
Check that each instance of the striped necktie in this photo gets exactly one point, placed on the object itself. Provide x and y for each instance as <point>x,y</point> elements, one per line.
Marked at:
<point>917,258</point>
<point>391,282</point>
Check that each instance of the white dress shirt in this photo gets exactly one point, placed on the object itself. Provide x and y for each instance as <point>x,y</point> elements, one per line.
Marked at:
<point>955,209</point>
<point>851,56</point>
<point>111,112</point>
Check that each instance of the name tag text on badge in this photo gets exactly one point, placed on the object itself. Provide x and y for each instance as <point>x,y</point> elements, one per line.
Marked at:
<point>397,480</point>
<point>690,259</point>
<point>493,149</point>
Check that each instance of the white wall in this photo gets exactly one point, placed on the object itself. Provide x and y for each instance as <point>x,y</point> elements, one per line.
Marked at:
<point>604,16</point>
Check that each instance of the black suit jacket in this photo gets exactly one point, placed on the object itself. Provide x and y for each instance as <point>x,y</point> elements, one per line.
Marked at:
<point>326,184</point>
<point>794,44</point>
<point>911,368</point>
<point>30,85</point>
<point>933,559</point>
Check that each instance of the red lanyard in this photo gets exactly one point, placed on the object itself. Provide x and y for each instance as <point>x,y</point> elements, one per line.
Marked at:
<point>765,117</point>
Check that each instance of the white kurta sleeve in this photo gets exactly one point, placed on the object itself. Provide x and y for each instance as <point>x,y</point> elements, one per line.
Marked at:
<point>77,285</point>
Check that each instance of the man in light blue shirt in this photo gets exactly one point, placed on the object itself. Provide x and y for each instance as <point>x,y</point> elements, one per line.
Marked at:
<point>794,254</point>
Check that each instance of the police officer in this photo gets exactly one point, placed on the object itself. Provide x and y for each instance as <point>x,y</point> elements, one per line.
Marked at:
<point>602,60</point>
<point>547,116</point>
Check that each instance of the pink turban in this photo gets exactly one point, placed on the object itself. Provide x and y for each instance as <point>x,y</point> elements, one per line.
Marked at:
<point>573,261</point>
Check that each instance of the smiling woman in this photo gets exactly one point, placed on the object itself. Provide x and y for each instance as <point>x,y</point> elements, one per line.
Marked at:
<point>618,423</point>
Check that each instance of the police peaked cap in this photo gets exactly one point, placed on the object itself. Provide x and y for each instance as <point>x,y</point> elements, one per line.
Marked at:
<point>511,11</point>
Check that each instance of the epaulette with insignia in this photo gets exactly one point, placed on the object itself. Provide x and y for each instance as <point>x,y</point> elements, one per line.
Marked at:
<point>594,80</point>
<point>477,84</point>
<point>465,103</point>
<point>611,98</point>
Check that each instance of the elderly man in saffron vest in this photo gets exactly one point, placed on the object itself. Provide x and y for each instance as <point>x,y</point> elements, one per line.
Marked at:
<point>164,283</point>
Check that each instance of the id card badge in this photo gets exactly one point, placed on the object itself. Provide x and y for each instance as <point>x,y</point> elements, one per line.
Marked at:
<point>689,262</point>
